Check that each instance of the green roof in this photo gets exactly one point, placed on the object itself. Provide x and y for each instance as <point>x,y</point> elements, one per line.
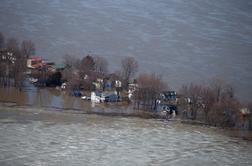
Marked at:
<point>59,66</point>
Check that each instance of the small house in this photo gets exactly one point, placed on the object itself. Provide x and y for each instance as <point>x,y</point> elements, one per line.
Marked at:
<point>107,85</point>
<point>34,63</point>
<point>58,67</point>
<point>245,118</point>
<point>169,96</point>
<point>167,108</point>
<point>118,84</point>
<point>132,88</point>
<point>98,97</point>
<point>64,85</point>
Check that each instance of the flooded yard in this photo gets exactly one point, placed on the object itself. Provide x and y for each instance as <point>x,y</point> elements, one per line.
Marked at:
<point>40,97</point>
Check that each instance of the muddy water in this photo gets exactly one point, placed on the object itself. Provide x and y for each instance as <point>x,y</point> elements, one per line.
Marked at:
<point>40,97</point>
<point>65,139</point>
<point>53,98</point>
<point>99,140</point>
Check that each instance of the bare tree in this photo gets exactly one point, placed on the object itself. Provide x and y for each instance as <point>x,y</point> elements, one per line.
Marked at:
<point>2,59</point>
<point>87,65</point>
<point>192,94</point>
<point>225,113</point>
<point>218,87</point>
<point>19,69</point>
<point>11,51</point>
<point>250,115</point>
<point>221,89</point>
<point>101,64</point>
<point>27,48</point>
<point>207,101</point>
<point>228,107</point>
<point>71,61</point>
<point>1,40</point>
<point>71,64</point>
<point>216,102</point>
<point>12,45</point>
<point>152,81</point>
<point>87,73</point>
<point>15,62</point>
<point>129,69</point>
<point>149,88</point>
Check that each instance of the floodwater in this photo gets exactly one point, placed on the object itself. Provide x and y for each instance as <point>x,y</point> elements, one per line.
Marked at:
<point>44,97</point>
<point>53,98</point>
<point>41,97</point>
<point>99,140</point>
<point>183,40</point>
<point>36,136</point>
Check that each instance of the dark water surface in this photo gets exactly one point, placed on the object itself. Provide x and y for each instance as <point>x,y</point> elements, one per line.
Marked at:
<point>183,40</point>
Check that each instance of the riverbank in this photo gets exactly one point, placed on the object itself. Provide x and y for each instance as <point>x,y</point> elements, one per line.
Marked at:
<point>102,109</point>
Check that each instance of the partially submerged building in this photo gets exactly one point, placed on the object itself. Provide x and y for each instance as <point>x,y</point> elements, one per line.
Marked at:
<point>34,63</point>
<point>100,97</point>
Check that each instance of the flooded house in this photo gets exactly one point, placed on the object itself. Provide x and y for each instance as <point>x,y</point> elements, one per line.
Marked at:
<point>101,97</point>
<point>53,67</point>
<point>59,67</point>
<point>131,89</point>
<point>245,118</point>
<point>166,107</point>
<point>48,65</point>
<point>169,97</point>
<point>98,84</point>
<point>166,110</point>
<point>107,85</point>
<point>34,63</point>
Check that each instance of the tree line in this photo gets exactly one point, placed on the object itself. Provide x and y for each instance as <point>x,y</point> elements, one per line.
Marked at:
<point>214,104</point>
<point>81,73</point>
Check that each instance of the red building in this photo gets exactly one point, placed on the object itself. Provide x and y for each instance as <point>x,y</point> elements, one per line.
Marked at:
<point>34,63</point>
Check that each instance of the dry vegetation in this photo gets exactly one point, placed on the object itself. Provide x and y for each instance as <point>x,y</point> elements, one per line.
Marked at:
<point>149,88</point>
<point>214,104</point>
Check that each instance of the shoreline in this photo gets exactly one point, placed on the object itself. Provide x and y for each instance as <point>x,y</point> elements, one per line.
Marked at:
<point>12,106</point>
<point>13,113</point>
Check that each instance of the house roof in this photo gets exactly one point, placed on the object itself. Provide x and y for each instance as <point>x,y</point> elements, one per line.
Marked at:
<point>59,66</point>
<point>35,59</point>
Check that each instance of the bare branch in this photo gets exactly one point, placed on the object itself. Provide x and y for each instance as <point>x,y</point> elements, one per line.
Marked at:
<point>28,48</point>
<point>129,69</point>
